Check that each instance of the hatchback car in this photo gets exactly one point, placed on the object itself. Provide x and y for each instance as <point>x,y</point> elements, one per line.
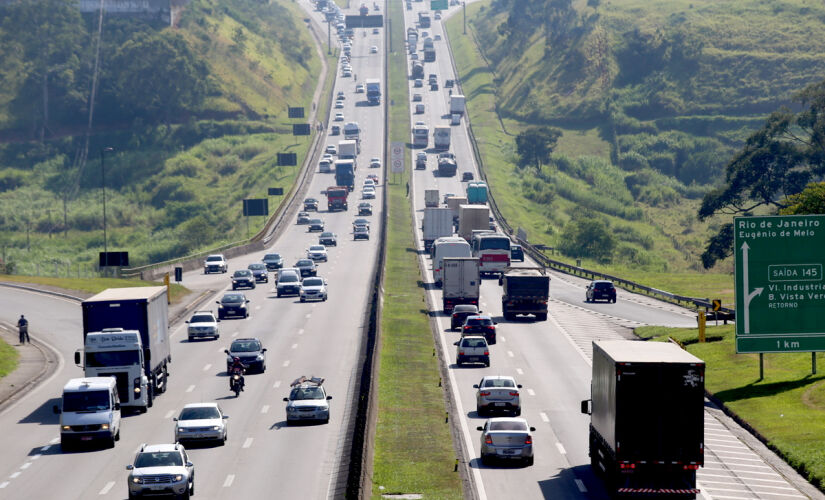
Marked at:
<point>466,176</point>
<point>310,204</point>
<point>339,117</point>
<point>421,160</point>
<point>317,253</point>
<point>359,89</point>
<point>233,304</point>
<point>418,83</point>
<point>328,239</point>
<point>498,393</point>
<point>251,353</point>
<point>460,313</point>
<point>306,267</point>
<point>313,288</point>
<point>364,208</point>
<point>375,162</point>
<point>360,233</point>
<point>339,105</point>
<point>161,469</point>
<point>480,325</point>
<point>316,225</point>
<point>242,278</point>
<point>416,97</point>
<point>331,149</point>
<point>203,324</point>
<point>273,261</point>
<point>335,130</point>
<point>259,272</point>
<point>506,438</point>
<point>373,49</point>
<point>201,422</point>
<point>307,401</point>
<point>600,290</point>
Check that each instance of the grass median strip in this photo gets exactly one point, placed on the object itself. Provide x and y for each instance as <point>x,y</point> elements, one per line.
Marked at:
<point>786,407</point>
<point>8,359</point>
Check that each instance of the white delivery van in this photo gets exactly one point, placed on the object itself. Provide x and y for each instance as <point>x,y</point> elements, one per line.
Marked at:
<point>89,411</point>
<point>449,246</point>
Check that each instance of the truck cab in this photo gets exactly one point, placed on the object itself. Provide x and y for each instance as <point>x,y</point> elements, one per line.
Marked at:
<point>89,411</point>
<point>337,198</point>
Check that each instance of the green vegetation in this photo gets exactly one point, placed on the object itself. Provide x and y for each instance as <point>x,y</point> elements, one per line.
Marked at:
<point>786,407</point>
<point>413,447</point>
<point>186,150</point>
<point>9,358</point>
<point>94,285</point>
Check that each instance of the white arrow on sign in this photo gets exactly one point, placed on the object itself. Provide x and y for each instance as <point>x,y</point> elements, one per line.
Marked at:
<point>749,295</point>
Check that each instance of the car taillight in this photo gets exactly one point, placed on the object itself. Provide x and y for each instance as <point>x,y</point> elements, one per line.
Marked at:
<point>627,465</point>
<point>514,393</point>
<point>484,393</point>
<point>528,439</point>
<point>488,439</point>
<point>691,467</point>
<point>466,327</point>
<point>486,353</point>
<point>461,353</point>
<point>491,327</point>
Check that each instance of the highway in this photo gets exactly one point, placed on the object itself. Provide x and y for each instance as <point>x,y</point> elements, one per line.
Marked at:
<point>262,455</point>
<point>552,359</point>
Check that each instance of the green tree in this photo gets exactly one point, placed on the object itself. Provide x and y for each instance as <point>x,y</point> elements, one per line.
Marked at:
<point>810,201</point>
<point>535,144</point>
<point>587,237</point>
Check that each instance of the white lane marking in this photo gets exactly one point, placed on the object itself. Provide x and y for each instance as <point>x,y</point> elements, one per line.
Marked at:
<point>190,388</point>
<point>561,449</point>
<point>301,331</point>
<point>207,367</point>
<point>3,484</point>
<point>26,465</point>
<point>510,353</point>
<point>286,363</point>
<point>276,384</point>
<point>544,416</point>
<point>730,476</point>
<point>14,475</point>
<point>308,315</point>
<point>235,334</point>
<point>294,346</point>
<point>502,338</point>
<point>531,392</point>
<point>46,448</point>
<point>265,409</point>
<point>257,307</point>
<point>729,455</point>
<point>55,440</point>
<point>580,485</point>
<point>714,462</point>
<point>36,456</point>
<point>519,371</point>
<point>107,487</point>
<point>169,414</point>
<point>247,443</point>
<point>228,481</point>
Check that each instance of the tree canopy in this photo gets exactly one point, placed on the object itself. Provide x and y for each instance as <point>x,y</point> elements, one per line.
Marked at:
<point>535,144</point>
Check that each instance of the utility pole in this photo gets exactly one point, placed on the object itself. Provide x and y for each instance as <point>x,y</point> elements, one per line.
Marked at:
<point>103,186</point>
<point>329,37</point>
<point>464,11</point>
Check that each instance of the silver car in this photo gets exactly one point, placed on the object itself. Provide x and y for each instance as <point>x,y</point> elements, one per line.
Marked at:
<point>506,438</point>
<point>498,393</point>
<point>307,401</point>
<point>317,253</point>
<point>313,288</point>
<point>201,421</point>
<point>161,469</point>
<point>203,324</point>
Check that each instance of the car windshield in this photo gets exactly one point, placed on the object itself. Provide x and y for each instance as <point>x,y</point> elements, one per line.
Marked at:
<point>158,459</point>
<point>303,263</point>
<point>202,318</point>
<point>245,346</point>
<point>288,278</point>
<point>313,282</point>
<point>257,267</point>
<point>272,256</point>
<point>214,258</point>
<point>317,248</point>
<point>508,425</point>
<point>232,298</point>
<point>327,235</point>
<point>243,273</point>
<point>498,382</point>
<point>85,401</point>
<point>300,393</point>
<point>199,413</point>
<point>475,343</point>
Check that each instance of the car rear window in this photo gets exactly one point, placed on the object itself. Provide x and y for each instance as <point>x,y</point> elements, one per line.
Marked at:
<point>479,321</point>
<point>508,425</point>
<point>202,318</point>
<point>475,343</point>
<point>604,286</point>
<point>499,382</point>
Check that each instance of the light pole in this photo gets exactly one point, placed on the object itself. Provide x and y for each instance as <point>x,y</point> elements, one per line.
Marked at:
<point>103,187</point>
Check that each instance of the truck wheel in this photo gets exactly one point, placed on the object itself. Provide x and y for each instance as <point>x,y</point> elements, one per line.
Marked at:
<point>117,436</point>
<point>487,363</point>
<point>165,380</point>
<point>190,338</point>
<point>149,396</point>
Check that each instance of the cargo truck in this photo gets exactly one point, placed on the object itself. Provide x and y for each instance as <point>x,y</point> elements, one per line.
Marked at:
<point>421,136</point>
<point>472,217</point>
<point>441,137</point>
<point>457,104</point>
<point>337,198</point>
<point>345,173</point>
<point>424,19</point>
<point>352,132</point>
<point>447,165</point>
<point>647,418</point>
<point>126,336</point>
<point>431,197</point>
<point>373,90</point>
<point>477,192</point>
<point>461,282</point>
<point>348,149</point>
<point>525,291</point>
<point>437,223</point>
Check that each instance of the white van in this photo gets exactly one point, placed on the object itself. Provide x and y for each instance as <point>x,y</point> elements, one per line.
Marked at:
<point>89,411</point>
<point>448,246</point>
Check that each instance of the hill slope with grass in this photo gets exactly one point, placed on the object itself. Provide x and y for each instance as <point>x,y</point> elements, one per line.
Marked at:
<point>195,115</point>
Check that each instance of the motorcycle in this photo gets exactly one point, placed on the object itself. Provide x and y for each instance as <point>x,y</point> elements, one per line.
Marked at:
<point>236,383</point>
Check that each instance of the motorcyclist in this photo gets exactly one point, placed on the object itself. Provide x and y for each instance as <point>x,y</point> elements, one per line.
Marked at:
<point>23,329</point>
<point>237,368</point>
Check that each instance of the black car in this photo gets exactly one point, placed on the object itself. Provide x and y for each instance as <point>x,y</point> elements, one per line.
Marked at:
<point>516,253</point>
<point>307,267</point>
<point>328,239</point>
<point>448,84</point>
<point>310,204</point>
<point>251,353</point>
<point>243,278</point>
<point>434,86</point>
<point>259,272</point>
<point>365,208</point>
<point>233,304</point>
<point>480,325</point>
<point>316,225</point>
<point>600,290</point>
<point>273,261</point>
<point>460,313</point>
<point>466,176</point>
<point>335,130</point>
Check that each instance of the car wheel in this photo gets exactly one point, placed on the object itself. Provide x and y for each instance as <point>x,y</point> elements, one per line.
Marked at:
<point>479,411</point>
<point>246,315</point>
<point>529,461</point>
<point>117,436</point>
<point>458,361</point>
<point>487,363</point>
<point>234,287</point>
<point>517,412</point>
<point>614,300</point>
<point>279,295</point>
<point>190,339</point>
<point>541,317</point>
<point>303,299</point>
<point>485,459</point>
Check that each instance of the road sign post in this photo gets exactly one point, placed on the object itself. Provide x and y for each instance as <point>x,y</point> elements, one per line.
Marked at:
<point>780,291</point>
<point>397,157</point>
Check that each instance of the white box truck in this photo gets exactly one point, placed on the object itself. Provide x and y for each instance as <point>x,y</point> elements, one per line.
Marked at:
<point>348,150</point>
<point>472,217</point>
<point>461,282</point>
<point>437,223</point>
<point>457,104</point>
<point>431,197</point>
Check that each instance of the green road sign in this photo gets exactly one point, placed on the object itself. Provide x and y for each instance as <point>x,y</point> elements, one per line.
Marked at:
<point>438,4</point>
<point>780,292</point>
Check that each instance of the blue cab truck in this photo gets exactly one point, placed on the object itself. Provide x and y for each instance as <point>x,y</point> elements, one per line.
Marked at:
<point>345,173</point>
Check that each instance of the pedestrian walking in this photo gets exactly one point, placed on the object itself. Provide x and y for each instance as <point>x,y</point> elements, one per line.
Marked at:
<point>23,330</point>
<point>408,190</point>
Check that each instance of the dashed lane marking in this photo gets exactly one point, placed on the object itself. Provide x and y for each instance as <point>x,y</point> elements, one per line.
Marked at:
<point>207,367</point>
<point>25,465</point>
<point>276,384</point>
<point>544,417</point>
<point>531,392</point>
<point>286,363</point>
<point>190,388</point>
<point>561,448</point>
<point>169,414</point>
<point>294,346</point>
<point>580,485</point>
<point>228,481</point>
<point>106,488</point>
<point>265,409</point>
<point>247,443</point>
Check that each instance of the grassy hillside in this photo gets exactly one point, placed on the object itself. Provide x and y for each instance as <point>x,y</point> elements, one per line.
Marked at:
<point>175,179</point>
<point>653,97</point>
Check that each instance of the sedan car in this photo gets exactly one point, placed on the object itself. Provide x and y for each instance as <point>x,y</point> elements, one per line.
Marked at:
<point>202,324</point>
<point>480,325</point>
<point>233,304</point>
<point>364,208</point>
<point>169,462</point>
<point>273,261</point>
<point>339,105</point>
<point>242,278</point>
<point>316,225</point>
<point>498,393</point>
<point>361,222</point>
<point>306,267</point>
<point>259,272</point>
<point>339,117</point>
<point>251,353</point>
<point>313,288</point>
<point>368,193</point>
<point>466,176</point>
<point>334,130</point>
<point>328,239</point>
<point>375,162</point>
<point>317,253</point>
<point>360,233</point>
<point>418,83</point>
<point>201,422</point>
<point>310,204</point>
<point>516,253</point>
<point>460,313</point>
<point>373,178</point>
<point>600,290</point>
<point>331,149</point>
<point>506,438</point>
<point>215,264</point>
<point>416,97</point>
<point>374,49</point>
<point>307,401</point>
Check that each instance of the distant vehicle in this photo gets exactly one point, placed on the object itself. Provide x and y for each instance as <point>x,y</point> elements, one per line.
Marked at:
<point>215,263</point>
<point>335,130</point>
<point>414,56</point>
<point>339,105</point>
<point>346,73</point>
<point>364,208</point>
<point>360,233</point>
<point>273,261</point>
<point>259,272</point>
<point>317,253</point>
<point>375,31</point>
<point>332,149</point>
<point>418,83</point>
<point>316,225</point>
<point>203,324</point>
<point>448,84</point>
<point>420,160</point>
<point>373,49</point>
<point>373,178</point>
<point>251,353</point>
<point>600,290</point>
<point>493,252</point>
<point>368,193</point>
<point>375,163</point>
<point>460,313</point>
<point>466,176</point>
<point>167,461</point>
<point>437,17</point>
<point>461,281</point>
<point>289,284</point>
<point>472,350</point>
<point>416,97</point>
<point>314,288</point>
<point>303,218</point>
<point>339,117</point>
<point>369,183</point>
<point>310,204</point>
<point>361,222</point>
<point>480,325</point>
<point>516,253</point>
<point>306,267</point>
<point>307,401</point>
<point>233,304</point>
<point>359,89</point>
<point>437,37</point>
<point>498,393</point>
<point>434,86</point>
<point>201,422</point>
<point>242,278</point>
<point>507,438</point>
<point>328,239</point>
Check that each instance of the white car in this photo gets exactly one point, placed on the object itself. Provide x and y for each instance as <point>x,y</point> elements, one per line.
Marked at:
<point>369,183</point>
<point>498,393</point>
<point>339,117</point>
<point>373,49</point>
<point>331,149</point>
<point>346,73</point>
<point>368,193</point>
<point>375,162</point>
<point>359,89</point>
<point>167,462</point>
<point>203,324</point>
<point>201,422</point>
<point>307,400</point>
<point>313,288</point>
<point>317,253</point>
<point>215,263</point>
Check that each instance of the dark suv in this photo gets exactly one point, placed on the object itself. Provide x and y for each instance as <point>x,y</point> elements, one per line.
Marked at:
<point>600,290</point>
<point>480,325</point>
<point>251,353</point>
<point>460,313</point>
<point>273,261</point>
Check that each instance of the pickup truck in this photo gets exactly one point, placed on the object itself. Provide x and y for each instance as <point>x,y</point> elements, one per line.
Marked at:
<point>473,349</point>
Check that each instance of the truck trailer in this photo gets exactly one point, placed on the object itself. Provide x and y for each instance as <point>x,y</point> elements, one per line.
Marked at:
<point>441,137</point>
<point>525,291</point>
<point>472,217</point>
<point>345,173</point>
<point>647,418</point>
<point>461,282</point>
<point>437,223</point>
<point>431,197</point>
<point>457,102</point>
